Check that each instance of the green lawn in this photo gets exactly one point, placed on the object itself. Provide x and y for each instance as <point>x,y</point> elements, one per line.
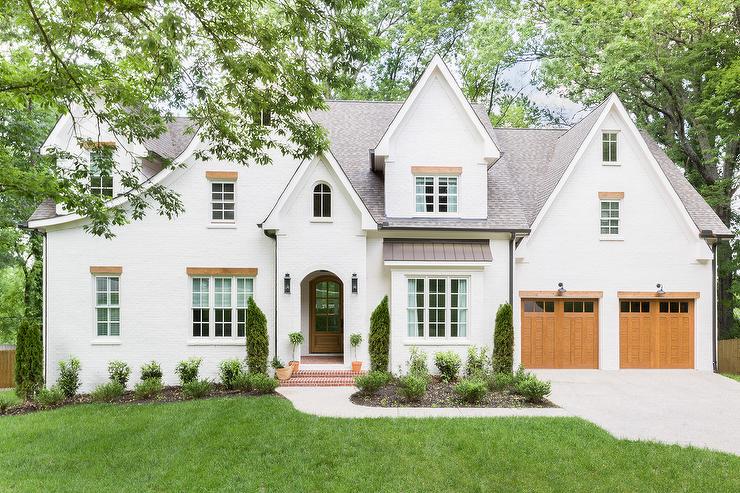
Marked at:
<point>10,393</point>
<point>263,444</point>
<point>733,376</point>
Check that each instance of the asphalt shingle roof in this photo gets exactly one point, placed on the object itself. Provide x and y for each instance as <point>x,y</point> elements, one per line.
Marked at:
<point>519,183</point>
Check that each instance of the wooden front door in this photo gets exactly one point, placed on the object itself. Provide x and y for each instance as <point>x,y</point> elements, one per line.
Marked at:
<point>656,333</point>
<point>559,333</point>
<point>326,330</point>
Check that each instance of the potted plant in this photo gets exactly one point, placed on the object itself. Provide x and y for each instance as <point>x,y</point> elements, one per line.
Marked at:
<point>282,372</point>
<point>354,341</point>
<point>296,339</point>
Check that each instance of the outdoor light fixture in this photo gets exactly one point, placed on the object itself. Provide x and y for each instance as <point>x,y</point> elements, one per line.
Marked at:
<point>286,284</point>
<point>561,289</point>
<point>660,289</point>
<point>354,283</point>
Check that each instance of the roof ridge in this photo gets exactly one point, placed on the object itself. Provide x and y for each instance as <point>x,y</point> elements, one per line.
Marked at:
<point>361,101</point>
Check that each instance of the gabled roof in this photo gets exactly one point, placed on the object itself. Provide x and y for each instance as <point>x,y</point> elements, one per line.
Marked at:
<point>174,141</point>
<point>438,66</point>
<point>532,163</point>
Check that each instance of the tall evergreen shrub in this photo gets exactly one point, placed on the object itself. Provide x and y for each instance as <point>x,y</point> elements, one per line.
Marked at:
<point>503,340</point>
<point>29,359</point>
<point>258,344</point>
<point>380,331</point>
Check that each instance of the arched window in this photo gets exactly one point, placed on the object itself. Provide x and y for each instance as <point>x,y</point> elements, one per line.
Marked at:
<point>321,200</point>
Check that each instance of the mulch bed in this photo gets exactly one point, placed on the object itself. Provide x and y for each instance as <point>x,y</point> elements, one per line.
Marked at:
<point>442,394</point>
<point>168,394</point>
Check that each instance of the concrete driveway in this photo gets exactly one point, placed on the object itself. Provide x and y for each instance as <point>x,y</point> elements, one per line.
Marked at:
<point>684,407</point>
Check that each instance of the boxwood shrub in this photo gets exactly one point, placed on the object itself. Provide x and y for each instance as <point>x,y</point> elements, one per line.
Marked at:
<point>412,387</point>
<point>50,396</point>
<point>196,389</point>
<point>448,363</point>
<point>471,389</point>
<point>107,392</point>
<point>372,382</point>
<point>148,388</point>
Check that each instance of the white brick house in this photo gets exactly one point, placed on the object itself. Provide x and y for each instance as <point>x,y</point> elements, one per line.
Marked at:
<point>423,201</point>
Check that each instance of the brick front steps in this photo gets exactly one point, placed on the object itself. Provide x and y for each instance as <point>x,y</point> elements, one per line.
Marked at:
<point>321,378</point>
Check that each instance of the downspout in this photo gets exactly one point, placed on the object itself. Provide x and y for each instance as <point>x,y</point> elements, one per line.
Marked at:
<point>273,235</point>
<point>45,313</point>
<point>511,270</point>
<point>714,308</point>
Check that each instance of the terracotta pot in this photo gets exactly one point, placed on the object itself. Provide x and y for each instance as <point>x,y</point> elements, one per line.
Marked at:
<point>295,365</point>
<point>284,373</point>
<point>357,366</point>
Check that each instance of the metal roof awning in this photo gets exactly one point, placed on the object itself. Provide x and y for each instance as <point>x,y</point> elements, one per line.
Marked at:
<point>442,251</point>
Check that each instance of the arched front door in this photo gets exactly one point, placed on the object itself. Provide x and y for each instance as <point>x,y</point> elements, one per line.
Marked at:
<point>326,329</point>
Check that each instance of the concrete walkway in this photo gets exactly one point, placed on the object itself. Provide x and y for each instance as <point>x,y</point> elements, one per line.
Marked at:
<point>684,407</point>
<point>334,402</point>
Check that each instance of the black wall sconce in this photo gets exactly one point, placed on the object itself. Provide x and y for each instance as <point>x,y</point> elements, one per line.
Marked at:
<point>561,289</point>
<point>354,283</point>
<point>660,291</point>
<point>286,284</point>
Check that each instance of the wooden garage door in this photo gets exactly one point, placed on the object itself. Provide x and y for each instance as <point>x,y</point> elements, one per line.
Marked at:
<point>656,333</point>
<point>560,333</point>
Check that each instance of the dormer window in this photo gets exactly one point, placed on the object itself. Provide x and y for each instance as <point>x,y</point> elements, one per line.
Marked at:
<point>609,147</point>
<point>101,181</point>
<point>322,201</point>
<point>436,194</point>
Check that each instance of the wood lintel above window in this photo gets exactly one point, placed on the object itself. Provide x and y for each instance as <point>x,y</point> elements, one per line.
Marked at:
<point>436,170</point>
<point>106,269</point>
<point>556,294</point>
<point>683,295</point>
<point>97,144</point>
<point>222,175</point>
<point>222,271</point>
<point>611,195</point>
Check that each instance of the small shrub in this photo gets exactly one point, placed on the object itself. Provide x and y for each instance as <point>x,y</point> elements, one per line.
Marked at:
<point>418,363</point>
<point>229,370</point>
<point>533,389</point>
<point>148,388</point>
<point>276,363</point>
<point>477,363</point>
<point>372,382</point>
<point>119,372</point>
<point>503,340</point>
<point>263,384</point>
<point>6,402</point>
<point>48,397</point>
<point>448,363</point>
<point>243,382</point>
<point>412,387</point>
<point>107,392</point>
<point>520,375</point>
<point>471,389</point>
<point>500,381</point>
<point>379,338</point>
<point>187,370</point>
<point>257,340</point>
<point>69,377</point>
<point>151,370</point>
<point>196,389</point>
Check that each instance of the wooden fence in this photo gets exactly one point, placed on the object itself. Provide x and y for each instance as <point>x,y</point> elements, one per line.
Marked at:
<point>728,356</point>
<point>7,368</point>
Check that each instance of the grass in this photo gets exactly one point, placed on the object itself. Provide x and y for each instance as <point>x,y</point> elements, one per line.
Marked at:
<point>264,444</point>
<point>733,376</point>
<point>10,393</point>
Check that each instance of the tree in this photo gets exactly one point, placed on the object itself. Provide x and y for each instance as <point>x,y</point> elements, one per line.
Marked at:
<point>503,340</point>
<point>258,343</point>
<point>676,66</point>
<point>379,339</point>
<point>132,65</point>
<point>29,359</point>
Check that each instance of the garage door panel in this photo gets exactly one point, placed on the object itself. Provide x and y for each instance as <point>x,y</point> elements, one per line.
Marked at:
<point>656,334</point>
<point>555,338</point>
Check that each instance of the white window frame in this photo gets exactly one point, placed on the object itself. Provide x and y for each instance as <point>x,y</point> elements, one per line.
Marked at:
<point>222,200</point>
<point>436,194</point>
<point>234,308</point>
<point>448,337</point>
<point>330,193</point>
<point>619,219</point>
<point>107,306</point>
<point>617,149</point>
<point>95,181</point>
